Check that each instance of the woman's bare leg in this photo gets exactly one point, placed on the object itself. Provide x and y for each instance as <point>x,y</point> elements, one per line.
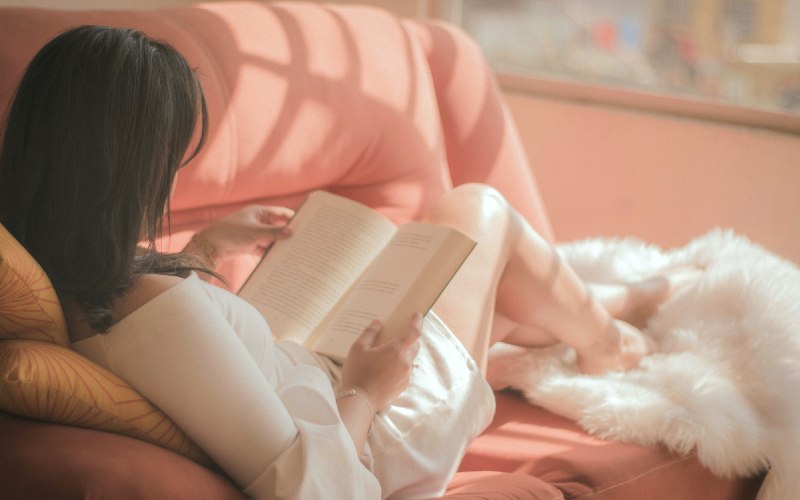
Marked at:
<point>632,302</point>
<point>517,273</point>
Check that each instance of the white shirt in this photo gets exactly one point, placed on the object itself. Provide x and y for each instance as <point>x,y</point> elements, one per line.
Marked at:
<point>265,411</point>
<point>271,424</point>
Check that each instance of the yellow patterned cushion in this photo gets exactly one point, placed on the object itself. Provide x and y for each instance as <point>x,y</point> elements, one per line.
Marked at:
<point>48,382</point>
<point>29,307</point>
<point>41,378</point>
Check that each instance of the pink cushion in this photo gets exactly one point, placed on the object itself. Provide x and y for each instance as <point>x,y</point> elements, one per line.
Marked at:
<point>45,461</point>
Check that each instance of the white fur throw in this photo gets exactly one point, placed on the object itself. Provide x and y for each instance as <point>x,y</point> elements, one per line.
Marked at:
<point>725,376</point>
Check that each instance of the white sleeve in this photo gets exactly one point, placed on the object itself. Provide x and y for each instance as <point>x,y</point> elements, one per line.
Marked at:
<point>287,442</point>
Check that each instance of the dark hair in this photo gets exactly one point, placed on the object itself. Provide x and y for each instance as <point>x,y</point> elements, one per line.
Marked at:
<point>95,135</point>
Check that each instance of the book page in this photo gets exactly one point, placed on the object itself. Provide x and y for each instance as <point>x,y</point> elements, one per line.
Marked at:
<point>301,278</point>
<point>406,277</point>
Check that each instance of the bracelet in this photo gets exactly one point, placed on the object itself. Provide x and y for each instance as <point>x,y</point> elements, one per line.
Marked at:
<point>354,392</point>
<point>208,249</point>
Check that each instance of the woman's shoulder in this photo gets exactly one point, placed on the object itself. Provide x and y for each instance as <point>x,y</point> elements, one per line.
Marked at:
<point>144,289</point>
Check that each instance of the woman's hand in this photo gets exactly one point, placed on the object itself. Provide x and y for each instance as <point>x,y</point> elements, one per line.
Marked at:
<point>249,231</point>
<point>382,371</point>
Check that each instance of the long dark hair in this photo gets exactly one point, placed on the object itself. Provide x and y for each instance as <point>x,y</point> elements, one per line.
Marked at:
<point>100,124</point>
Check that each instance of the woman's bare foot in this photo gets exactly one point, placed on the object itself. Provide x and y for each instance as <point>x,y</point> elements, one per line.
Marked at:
<point>622,346</point>
<point>635,302</point>
<point>621,350</point>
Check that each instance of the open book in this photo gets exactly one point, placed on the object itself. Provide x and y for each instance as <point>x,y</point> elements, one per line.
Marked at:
<point>344,266</point>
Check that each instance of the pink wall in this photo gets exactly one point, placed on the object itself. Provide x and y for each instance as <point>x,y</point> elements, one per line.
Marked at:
<point>606,171</point>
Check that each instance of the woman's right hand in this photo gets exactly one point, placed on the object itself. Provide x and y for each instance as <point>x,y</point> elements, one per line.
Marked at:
<point>382,371</point>
<point>247,231</point>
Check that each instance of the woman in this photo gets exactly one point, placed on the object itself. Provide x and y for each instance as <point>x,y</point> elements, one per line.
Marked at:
<point>102,121</point>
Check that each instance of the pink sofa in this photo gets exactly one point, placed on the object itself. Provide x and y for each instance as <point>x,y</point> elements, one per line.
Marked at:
<point>356,101</point>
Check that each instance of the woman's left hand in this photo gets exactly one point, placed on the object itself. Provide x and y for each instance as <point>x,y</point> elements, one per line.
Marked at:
<point>249,230</point>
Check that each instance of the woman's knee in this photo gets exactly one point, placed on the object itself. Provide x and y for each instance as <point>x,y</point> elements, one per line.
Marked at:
<point>474,198</point>
<point>473,205</point>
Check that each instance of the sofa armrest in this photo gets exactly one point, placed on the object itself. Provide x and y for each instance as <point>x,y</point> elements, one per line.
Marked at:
<point>480,137</point>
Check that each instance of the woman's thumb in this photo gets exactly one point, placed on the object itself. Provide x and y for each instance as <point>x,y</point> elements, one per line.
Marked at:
<point>267,234</point>
<point>370,334</point>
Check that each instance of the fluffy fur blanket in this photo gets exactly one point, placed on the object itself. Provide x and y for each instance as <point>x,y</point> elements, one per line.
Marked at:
<point>725,375</point>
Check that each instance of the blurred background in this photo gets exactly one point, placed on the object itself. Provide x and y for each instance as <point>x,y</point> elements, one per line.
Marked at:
<point>744,52</point>
<point>740,52</point>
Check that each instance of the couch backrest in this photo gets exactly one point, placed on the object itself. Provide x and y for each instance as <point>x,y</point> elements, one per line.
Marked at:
<point>304,96</point>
